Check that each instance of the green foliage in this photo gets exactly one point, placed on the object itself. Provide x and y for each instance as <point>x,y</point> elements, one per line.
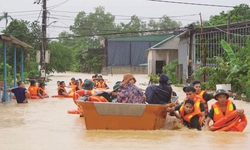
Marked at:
<point>61,58</point>
<point>154,78</point>
<point>171,71</point>
<point>5,16</point>
<point>34,73</point>
<point>231,69</point>
<point>9,71</point>
<point>237,14</point>
<point>26,32</point>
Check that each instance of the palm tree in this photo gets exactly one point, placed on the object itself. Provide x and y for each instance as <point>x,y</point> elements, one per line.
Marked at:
<point>5,16</point>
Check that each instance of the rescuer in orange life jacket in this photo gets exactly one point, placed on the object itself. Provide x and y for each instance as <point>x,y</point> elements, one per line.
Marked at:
<point>41,91</point>
<point>33,88</point>
<point>61,89</point>
<point>190,94</point>
<point>190,114</point>
<point>101,84</point>
<point>221,108</point>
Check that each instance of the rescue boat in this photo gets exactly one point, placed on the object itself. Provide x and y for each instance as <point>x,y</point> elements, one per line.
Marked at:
<point>123,116</point>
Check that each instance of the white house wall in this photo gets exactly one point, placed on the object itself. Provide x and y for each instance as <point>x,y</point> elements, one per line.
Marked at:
<point>183,51</point>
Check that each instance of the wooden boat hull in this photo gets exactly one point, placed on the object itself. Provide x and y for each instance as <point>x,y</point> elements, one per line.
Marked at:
<point>120,116</point>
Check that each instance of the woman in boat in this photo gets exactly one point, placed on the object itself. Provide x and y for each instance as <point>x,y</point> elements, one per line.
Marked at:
<point>128,92</point>
<point>223,107</point>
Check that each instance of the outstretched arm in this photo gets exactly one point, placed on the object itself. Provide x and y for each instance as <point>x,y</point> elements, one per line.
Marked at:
<point>6,90</point>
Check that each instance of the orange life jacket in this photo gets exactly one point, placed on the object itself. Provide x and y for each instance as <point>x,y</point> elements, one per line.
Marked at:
<point>33,90</point>
<point>218,114</point>
<point>101,85</point>
<point>200,95</point>
<point>73,88</point>
<point>61,88</point>
<point>97,99</point>
<point>43,92</point>
<point>188,117</point>
<point>196,100</point>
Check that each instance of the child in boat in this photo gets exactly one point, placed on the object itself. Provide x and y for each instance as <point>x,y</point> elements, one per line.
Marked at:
<point>190,114</point>
<point>221,108</point>
<point>41,93</point>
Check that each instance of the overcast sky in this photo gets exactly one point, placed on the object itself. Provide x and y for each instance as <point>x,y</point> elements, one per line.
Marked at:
<point>64,11</point>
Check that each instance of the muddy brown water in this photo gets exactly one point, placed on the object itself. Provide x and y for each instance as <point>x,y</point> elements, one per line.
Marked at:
<point>45,125</point>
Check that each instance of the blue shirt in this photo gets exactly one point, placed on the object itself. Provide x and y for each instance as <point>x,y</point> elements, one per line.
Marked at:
<point>19,92</point>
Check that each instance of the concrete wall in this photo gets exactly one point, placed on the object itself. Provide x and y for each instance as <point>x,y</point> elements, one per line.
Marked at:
<point>160,55</point>
<point>183,52</point>
<point>126,69</point>
<point>150,60</point>
<point>166,55</point>
<point>171,44</point>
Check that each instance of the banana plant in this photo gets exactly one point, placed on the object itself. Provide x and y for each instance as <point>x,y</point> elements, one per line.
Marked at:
<point>234,61</point>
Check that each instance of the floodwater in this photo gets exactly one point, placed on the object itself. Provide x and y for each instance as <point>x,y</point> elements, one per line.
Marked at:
<point>45,125</point>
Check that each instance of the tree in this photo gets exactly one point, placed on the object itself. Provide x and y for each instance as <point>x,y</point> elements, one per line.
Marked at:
<point>133,28</point>
<point>21,30</point>
<point>93,28</point>
<point>60,58</point>
<point>165,23</point>
<point>237,14</point>
<point>95,23</point>
<point>5,16</point>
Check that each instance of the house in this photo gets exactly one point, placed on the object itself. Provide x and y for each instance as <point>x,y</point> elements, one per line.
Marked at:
<point>162,54</point>
<point>127,54</point>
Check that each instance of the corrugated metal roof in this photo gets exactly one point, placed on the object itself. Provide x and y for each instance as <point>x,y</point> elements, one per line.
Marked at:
<point>151,38</point>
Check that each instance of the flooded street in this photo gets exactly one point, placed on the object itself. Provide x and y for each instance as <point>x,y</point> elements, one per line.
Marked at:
<point>45,125</point>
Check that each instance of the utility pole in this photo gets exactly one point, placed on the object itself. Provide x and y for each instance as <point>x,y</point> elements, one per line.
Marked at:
<point>204,53</point>
<point>44,39</point>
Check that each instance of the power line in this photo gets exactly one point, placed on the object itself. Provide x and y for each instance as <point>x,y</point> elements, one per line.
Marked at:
<point>39,14</point>
<point>52,7</point>
<point>199,4</point>
<point>114,33</point>
<point>227,32</point>
<point>13,12</point>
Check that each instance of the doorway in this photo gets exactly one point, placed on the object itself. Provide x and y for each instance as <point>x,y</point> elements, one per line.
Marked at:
<point>159,66</point>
